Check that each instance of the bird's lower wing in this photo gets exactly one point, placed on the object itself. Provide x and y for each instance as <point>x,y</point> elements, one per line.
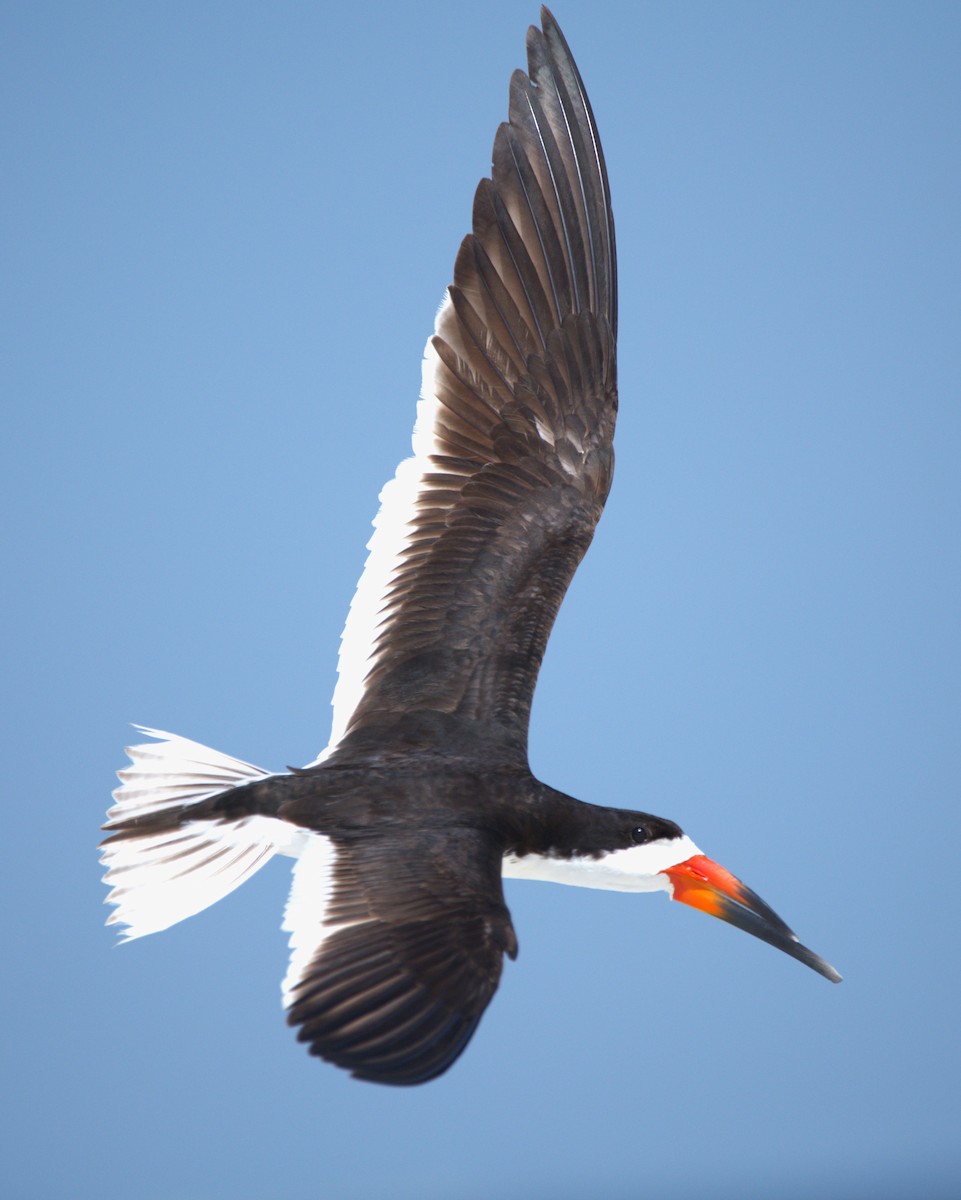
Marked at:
<point>393,961</point>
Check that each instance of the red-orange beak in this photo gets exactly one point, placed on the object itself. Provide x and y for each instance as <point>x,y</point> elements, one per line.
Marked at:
<point>704,884</point>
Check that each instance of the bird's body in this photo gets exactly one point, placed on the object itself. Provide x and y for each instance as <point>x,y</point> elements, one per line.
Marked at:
<point>406,824</point>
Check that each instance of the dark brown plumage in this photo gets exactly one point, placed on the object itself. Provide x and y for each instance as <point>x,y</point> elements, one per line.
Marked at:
<point>423,799</point>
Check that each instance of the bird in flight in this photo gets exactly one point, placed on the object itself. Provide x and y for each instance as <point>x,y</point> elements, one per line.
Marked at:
<point>405,826</point>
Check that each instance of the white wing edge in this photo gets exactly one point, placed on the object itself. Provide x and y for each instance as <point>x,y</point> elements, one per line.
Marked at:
<point>395,520</point>
<point>305,917</point>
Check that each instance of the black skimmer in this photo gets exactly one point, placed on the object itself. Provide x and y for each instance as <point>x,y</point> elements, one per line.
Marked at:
<point>423,801</point>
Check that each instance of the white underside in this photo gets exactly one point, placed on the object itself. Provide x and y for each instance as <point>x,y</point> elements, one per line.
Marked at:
<point>636,869</point>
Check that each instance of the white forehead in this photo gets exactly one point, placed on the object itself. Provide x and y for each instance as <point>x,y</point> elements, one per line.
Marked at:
<point>634,869</point>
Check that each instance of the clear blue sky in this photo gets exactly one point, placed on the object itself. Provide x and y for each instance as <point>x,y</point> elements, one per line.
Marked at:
<point>226,229</point>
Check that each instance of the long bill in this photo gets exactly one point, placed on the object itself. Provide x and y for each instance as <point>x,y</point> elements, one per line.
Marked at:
<point>704,884</point>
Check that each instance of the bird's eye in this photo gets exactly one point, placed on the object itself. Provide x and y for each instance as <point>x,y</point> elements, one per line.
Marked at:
<point>639,834</point>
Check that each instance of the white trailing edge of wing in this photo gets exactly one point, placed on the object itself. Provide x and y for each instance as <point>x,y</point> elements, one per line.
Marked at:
<point>394,524</point>
<point>306,917</point>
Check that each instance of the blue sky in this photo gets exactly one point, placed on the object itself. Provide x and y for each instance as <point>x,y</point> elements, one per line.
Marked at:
<point>226,229</point>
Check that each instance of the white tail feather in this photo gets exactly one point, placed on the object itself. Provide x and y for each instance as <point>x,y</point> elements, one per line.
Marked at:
<point>158,879</point>
<point>171,772</point>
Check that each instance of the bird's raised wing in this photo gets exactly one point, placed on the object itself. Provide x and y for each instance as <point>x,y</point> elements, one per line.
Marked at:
<point>479,534</point>
<point>395,957</point>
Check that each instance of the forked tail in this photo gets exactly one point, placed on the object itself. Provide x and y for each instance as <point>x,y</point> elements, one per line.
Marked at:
<point>171,850</point>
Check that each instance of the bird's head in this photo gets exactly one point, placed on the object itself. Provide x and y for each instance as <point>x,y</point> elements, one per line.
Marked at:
<point>626,851</point>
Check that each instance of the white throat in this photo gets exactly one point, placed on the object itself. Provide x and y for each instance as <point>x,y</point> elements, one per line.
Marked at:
<point>634,869</point>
